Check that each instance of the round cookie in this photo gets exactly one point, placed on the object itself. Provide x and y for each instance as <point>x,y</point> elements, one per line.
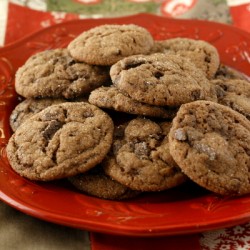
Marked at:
<point>211,144</point>
<point>234,93</point>
<point>226,72</point>
<point>161,79</point>
<point>204,55</point>
<point>28,108</point>
<point>96,183</point>
<point>140,157</point>
<point>107,44</point>
<point>54,73</point>
<point>112,98</point>
<point>60,141</point>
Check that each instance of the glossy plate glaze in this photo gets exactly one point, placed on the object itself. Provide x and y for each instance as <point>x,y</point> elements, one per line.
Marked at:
<point>185,209</point>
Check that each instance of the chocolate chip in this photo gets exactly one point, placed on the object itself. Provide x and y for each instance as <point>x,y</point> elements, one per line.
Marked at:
<point>132,65</point>
<point>158,74</point>
<point>51,129</point>
<point>196,94</point>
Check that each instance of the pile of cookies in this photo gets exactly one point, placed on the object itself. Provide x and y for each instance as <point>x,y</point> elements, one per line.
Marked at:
<point>117,114</point>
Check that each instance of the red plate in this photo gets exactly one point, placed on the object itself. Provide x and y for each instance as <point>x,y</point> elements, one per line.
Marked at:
<point>186,209</point>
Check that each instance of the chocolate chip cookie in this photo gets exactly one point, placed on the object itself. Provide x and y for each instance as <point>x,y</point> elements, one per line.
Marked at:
<point>107,44</point>
<point>211,144</point>
<point>112,98</point>
<point>204,55</point>
<point>60,141</point>
<point>140,157</point>
<point>54,73</point>
<point>234,93</point>
<point>28,108</point>
<point>160,79</point>
<point>96,183</point>
<point>226,72</point>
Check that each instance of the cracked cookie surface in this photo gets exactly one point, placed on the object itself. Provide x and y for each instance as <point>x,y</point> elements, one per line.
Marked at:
<point>140,157</point>
<point>161,79</point>
<point>107,44</point>
<point>204,55</point>
<point>61,141</point>
<point>211,144</point>
<point>54,73</point>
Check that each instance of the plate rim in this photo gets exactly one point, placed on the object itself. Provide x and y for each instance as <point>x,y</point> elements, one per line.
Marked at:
<point>127,17</point>
<point>49,216</point>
